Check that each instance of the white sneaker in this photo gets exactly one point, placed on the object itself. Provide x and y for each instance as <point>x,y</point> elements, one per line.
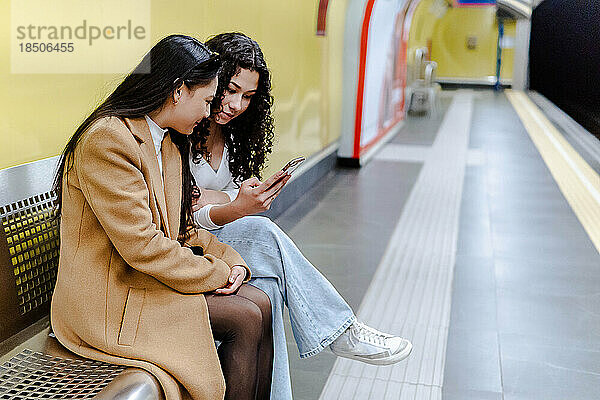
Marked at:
<point>363,343</point>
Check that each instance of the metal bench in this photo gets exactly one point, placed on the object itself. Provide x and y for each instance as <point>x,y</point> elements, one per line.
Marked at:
<point>422,91</point>
<point>33,364</point>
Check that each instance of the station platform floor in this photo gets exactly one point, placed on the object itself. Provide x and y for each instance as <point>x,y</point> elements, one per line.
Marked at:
<point>474,233</point>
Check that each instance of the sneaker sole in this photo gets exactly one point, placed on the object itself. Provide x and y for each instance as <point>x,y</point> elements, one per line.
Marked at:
<point>385,361</point>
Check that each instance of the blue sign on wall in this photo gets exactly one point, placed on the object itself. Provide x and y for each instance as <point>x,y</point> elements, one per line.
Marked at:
<point>466,3</point>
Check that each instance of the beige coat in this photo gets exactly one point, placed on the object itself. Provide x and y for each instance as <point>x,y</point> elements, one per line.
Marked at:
<point>127,292</point>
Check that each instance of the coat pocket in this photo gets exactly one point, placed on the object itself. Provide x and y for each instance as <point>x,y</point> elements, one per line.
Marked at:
<point>131,316</point>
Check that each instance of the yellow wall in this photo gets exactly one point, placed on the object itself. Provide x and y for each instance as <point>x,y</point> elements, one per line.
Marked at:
<point>41,111</point>
<point>450,44</point>
<point>423,24</point>
<point>448,32</point>
<point>422,27</point>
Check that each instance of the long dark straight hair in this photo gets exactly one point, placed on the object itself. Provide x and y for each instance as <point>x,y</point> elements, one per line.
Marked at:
<point>248,137</point>
<point>174,60</point>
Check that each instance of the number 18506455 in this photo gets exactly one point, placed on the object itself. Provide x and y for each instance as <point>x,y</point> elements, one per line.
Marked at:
<point>35,47</point>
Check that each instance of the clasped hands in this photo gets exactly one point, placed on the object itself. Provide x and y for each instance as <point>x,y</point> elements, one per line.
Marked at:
<point>253,197</point>
<point>235,280</point>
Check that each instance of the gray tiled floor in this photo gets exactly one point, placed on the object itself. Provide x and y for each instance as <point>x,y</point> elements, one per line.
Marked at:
<point>344,235</point>
<point>524,322</point>
<point>343,225</point>
<point>422,130</point>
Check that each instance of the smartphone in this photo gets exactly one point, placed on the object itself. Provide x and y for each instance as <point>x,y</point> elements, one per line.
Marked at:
<point>289,168</point>
<point>293,164</point>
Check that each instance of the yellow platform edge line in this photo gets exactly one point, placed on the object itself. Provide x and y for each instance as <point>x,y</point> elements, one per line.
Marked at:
<point>578,182</point>
<point>564,147</point>
<point>562,168</point>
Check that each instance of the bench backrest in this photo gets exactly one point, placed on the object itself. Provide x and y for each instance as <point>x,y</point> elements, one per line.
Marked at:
<point>29,244</point>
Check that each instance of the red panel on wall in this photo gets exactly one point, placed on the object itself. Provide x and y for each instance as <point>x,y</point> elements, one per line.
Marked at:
<point>322,17</point>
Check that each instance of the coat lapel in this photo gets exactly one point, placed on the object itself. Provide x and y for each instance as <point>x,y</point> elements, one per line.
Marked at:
<point>140,129</point>
<point>171,160</point>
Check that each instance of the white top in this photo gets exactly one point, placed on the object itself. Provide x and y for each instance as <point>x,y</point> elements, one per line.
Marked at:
<point>207,178</point>
<point>158,134</point>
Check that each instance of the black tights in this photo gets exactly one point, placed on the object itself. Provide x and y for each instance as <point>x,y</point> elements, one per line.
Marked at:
<point>242,322</point>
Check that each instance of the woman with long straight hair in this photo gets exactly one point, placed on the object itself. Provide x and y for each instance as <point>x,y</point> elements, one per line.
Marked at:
<point>228,152</point>
<point>135,285</point>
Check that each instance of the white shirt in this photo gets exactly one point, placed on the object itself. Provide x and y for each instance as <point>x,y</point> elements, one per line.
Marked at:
<point>158,134</point>
<point>206,177</point>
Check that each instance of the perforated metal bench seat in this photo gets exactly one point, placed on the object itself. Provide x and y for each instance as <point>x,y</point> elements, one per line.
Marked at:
<point>40,368</point>
<point>34,365</point>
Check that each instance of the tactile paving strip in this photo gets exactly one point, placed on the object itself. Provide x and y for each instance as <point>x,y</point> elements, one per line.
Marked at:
<point>33,375</point>
<point>420,255</point>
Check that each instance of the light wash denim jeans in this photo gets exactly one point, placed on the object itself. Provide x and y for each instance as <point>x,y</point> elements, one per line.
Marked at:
<point>318,313</point>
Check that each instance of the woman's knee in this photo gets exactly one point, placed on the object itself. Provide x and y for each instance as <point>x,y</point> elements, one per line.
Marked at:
<point>257,224</point>
<point>264,303</point>
<point>248,317</point>
<point>260,298</point>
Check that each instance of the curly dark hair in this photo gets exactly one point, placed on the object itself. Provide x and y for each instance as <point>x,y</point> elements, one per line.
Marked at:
<point>248,137</point>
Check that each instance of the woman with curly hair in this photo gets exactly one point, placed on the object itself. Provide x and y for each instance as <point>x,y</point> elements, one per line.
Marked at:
<point>228,152</point>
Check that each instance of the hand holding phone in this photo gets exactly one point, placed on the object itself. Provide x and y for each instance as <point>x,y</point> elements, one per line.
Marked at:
<point>256,196</point>
<point>293,164</point>
<point>289,168</point>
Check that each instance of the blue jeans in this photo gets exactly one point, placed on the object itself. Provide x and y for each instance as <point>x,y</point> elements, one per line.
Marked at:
<point>318,313</point>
